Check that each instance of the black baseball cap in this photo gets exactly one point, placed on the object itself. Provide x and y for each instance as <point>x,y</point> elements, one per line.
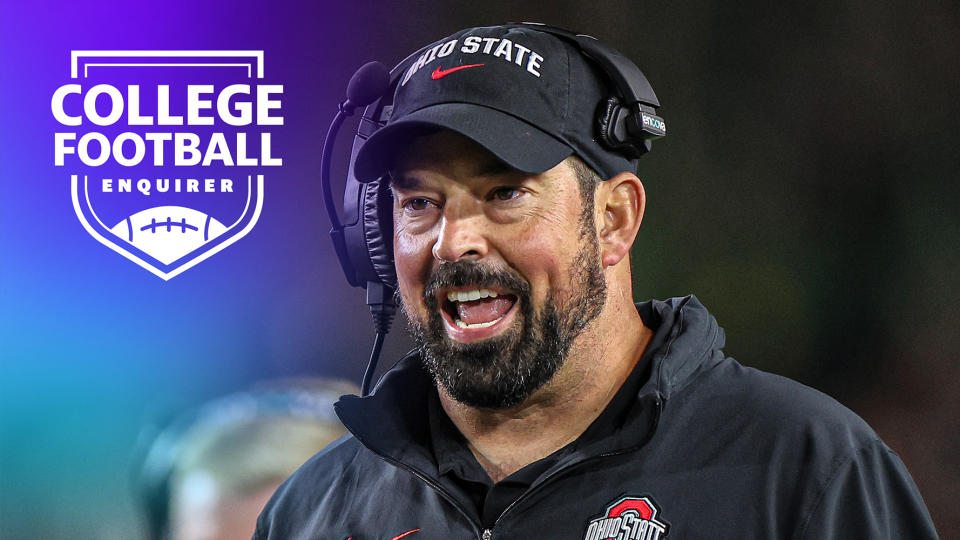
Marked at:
<point>528,97</point>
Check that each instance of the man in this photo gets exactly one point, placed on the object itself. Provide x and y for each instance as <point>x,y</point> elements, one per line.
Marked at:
<point>541,401</point>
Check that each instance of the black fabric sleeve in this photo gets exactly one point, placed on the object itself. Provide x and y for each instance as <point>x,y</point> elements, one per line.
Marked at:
<point>869,495</point>
<point>261,532</point>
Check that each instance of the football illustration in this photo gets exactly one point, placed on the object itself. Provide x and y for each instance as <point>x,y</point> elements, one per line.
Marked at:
<point>168,232</point>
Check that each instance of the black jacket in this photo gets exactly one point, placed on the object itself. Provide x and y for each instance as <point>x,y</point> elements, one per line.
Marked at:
<point>710,449</point>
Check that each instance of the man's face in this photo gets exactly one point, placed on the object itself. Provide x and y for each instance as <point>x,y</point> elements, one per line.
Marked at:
<point>499,271</point>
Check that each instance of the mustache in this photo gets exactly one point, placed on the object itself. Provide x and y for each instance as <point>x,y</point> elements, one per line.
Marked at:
<point>463,273</point>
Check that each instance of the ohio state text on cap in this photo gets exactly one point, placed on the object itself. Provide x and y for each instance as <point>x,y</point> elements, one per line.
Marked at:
<point>528,97</point>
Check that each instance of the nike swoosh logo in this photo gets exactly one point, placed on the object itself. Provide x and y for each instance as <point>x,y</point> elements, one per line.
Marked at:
<point>440,73</point>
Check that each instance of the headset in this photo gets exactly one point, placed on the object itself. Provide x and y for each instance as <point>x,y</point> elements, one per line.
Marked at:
<point>626,122</point>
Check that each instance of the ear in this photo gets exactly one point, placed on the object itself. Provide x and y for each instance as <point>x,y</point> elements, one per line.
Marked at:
<point>620,202</point>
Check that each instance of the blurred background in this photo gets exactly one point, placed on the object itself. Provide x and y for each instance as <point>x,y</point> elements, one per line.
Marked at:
<point>807,193</point>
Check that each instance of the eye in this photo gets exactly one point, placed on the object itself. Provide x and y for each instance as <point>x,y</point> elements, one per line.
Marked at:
<point>505,193</point>
<point>416,204</point>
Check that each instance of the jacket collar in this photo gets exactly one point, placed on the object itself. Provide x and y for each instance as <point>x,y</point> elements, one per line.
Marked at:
<point>694,343</point>
<point>394,422</point>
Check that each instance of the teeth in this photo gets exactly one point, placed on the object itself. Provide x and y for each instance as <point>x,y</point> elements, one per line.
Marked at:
<point>462,324</point>
<point>468,296</point>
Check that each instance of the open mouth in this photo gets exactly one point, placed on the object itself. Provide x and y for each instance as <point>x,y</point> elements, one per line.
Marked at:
<point>474,312</point>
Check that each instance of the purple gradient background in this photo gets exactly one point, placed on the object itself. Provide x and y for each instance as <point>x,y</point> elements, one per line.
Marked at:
<point>92,346</point>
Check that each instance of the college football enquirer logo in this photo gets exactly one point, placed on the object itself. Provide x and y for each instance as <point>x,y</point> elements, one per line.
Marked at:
<point>629,518</point>
<point>166,150</point>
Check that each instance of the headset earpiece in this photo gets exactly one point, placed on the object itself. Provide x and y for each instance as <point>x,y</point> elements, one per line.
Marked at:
<point>612,129</point>
<point>626,122</point>
<point>378,230</point>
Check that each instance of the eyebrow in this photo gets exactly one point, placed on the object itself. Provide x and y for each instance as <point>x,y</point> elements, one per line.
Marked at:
<point>400,180</point>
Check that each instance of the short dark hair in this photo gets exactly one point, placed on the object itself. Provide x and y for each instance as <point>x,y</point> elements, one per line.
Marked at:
<point>588,180</point>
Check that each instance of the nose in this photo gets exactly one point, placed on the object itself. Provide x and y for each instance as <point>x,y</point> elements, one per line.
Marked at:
<point>461,237</point>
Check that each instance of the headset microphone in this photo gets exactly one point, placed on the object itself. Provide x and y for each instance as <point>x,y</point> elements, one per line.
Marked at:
<point>367,85</point>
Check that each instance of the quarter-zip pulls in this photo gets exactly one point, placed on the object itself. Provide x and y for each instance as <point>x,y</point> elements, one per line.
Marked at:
<point>658,406</point>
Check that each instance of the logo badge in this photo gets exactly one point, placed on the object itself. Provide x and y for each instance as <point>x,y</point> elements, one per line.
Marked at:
<point>166,150</point>
<point>628,518</point>
<point>440,73</point>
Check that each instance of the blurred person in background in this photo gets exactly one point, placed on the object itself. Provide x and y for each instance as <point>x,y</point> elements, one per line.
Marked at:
<point>207,474</point>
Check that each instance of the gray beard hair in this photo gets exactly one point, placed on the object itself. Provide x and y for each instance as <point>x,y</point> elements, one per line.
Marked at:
<point>505,370</point>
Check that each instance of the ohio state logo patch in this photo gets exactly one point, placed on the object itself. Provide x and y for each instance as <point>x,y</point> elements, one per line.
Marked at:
<point>628,518</point>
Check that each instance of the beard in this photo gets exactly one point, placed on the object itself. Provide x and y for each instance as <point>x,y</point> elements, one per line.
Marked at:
<point>503,371</point>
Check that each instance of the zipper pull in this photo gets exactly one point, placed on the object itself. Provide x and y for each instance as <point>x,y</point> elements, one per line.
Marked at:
<point>487,534</point>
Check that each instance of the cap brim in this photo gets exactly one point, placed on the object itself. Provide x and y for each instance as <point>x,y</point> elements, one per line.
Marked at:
<point>517,143</point>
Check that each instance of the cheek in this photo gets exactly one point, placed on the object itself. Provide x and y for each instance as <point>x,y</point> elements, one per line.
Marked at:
<point>556,248</point>
<point>545,257</point>
<point>413,258</point>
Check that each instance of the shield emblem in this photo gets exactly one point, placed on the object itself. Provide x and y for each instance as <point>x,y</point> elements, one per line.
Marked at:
<point>168,150</point>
